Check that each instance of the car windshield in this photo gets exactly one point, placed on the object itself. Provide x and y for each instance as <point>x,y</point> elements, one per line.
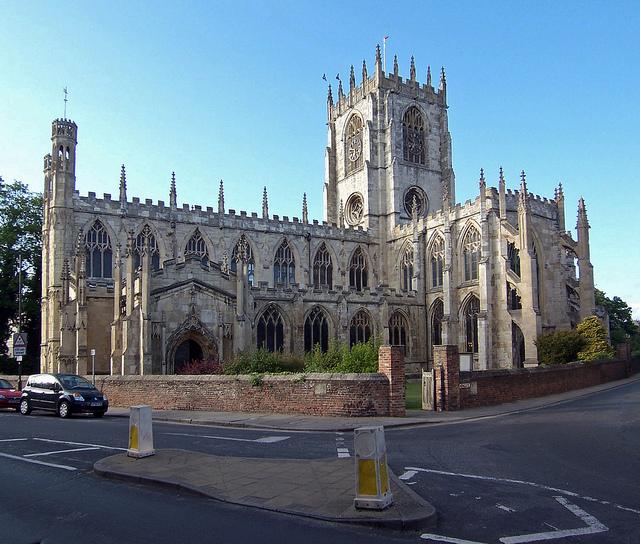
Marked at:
<point>75,382</point>
<point>4,384</point>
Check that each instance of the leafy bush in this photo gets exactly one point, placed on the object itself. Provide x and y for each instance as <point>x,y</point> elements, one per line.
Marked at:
<point>559,348</point>
<point>596,346</point>
<point>202,366</point>
<point>262,361</point>
<point>362,357</point>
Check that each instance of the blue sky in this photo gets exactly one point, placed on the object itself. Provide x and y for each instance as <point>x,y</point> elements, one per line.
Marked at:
<point>233,90</point>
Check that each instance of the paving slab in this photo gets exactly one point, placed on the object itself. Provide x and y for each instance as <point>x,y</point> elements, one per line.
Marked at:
<point>289,486</point>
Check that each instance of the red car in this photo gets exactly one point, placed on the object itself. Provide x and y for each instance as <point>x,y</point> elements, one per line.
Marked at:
<point>9,397</point>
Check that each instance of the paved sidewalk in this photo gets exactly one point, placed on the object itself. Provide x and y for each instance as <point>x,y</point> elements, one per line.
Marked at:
<point>300,422</point>
<point>322,489</point>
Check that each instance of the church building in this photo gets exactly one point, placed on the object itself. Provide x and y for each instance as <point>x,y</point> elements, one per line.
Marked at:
<point>151,286</point>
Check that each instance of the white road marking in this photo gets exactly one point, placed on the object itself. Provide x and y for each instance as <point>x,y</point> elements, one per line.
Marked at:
<point>35,462</point>
<point>593,527</point>
<point>411,483</point>
<point>505,508</point>
<point>343,452</point>
<point>522,482</point>
<point>408,474</point>
<point>13,439</point>
<point>59,451</point>
<point>440,538</point>
<point>264,440</point>
<point>79,444</point>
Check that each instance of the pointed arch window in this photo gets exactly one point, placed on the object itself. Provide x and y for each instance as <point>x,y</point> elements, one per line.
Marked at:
<point>353,144</point>
<point>413,136</point>
<point>437,315</point>
<point>437,262</point>
<point>471,254</point>
<point>513,255</point>
<point>316,330</point>
<point>360,328</point>
<point>322,268</point>
<point>284,266</point>
<point>398,331</point>
<point>147,240</point>
<point>242,250</point>
<point>99,253</point>
<point>196,246</point>
<point>270,330</point>
<point>471,311</point>
<point>513,298</point>
<point>406,268</point>
<point>358,271</point>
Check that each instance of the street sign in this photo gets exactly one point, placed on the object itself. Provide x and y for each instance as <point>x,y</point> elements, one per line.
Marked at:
<point>19,344</point>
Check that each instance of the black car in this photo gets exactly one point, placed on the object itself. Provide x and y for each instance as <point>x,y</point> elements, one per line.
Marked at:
<point>64,394</point>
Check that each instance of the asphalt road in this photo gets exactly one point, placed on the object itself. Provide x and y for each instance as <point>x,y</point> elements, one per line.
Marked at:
<point>566,473</point>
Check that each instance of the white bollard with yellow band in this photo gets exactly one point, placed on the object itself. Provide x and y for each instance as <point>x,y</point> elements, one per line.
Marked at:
<point>140,432</point>
<point>372,475</point>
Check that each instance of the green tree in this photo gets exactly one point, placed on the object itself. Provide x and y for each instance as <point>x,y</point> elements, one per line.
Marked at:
<point>559,348</point>
<point>595,337</point>
<point>621,324</point>
<point>20,235</point>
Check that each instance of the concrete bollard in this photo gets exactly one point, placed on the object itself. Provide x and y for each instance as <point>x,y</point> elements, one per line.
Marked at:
<point>372,475</point>
<point>140,432</point>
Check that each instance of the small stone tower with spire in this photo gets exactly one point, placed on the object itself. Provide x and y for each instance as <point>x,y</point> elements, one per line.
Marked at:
<point>58,233</point>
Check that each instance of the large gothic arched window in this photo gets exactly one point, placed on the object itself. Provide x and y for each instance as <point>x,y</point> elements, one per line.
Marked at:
<point>284,266</point>
<point>471,311</point>
<point>196,246</point>
<point>406,268</point>
<point>99,254</point>
<point>316,330</point>
<point>437,314</point>
<point>243,251</point>
<point>322,268</point>
<point>471,254</point>
<point>360,328</point>
<point>270,333</point>
<point>358,272</point>
<point>398,331</point>
<point>146,241</point>
<point>437,262</point>
<point>413,136</point>
<point>353,144</point>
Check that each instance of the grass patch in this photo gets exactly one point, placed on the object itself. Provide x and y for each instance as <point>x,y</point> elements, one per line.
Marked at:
<point>413,394</point>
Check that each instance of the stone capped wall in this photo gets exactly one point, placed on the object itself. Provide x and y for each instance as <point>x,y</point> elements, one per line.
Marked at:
<point>310,394</point>
<point>499,386</point>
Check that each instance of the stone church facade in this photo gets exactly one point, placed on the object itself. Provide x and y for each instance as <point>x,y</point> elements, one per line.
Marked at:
<point>150,286</point>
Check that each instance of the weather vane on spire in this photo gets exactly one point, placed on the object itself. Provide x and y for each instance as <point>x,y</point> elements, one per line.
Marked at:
<point>65,101</point>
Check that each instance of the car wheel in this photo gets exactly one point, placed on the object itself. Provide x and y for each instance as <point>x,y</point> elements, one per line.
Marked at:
<point>25,407</point>
<point>64,409</point>
<point>98,414</point>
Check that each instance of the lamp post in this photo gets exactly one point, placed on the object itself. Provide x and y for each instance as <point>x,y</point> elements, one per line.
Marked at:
<point>93,365</point>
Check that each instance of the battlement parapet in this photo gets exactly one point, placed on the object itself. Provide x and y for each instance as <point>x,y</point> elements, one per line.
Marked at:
<point>195,214</point>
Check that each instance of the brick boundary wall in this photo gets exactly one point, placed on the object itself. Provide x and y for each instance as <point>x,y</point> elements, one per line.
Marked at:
<point>354,395</point>
<point>490,387</point>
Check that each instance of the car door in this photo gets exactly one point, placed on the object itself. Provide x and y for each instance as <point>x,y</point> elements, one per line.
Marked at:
<point>49,399</point>
<point>34,387</point>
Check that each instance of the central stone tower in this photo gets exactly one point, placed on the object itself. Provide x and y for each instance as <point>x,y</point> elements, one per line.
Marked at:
<point>389,150</point>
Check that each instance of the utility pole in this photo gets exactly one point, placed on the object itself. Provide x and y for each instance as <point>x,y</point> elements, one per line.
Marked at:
<point>19,317</point>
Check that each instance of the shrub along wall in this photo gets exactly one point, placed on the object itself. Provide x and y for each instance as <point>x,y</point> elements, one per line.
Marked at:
<point>313,394</point>
<point>489,387</point>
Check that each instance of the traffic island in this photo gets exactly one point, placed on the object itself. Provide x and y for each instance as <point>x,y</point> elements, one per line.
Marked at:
<point>319,488</point>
